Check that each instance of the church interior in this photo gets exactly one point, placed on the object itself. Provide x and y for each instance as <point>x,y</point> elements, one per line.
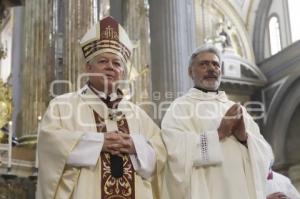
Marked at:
<point>40,58</point>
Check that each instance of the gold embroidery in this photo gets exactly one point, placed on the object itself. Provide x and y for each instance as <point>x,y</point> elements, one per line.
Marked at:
<point>109,33</point>
<point>114,187</point>
<point>111,187</point>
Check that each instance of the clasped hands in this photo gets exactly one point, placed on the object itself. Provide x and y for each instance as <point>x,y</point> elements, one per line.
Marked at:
<point>118,143</point>
<point>233,124</point>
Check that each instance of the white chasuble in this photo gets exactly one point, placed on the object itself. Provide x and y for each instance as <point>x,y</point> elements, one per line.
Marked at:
<point>68,124</point>
<point>202,167</point>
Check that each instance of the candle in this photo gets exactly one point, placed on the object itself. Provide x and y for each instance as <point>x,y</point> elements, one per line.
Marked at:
<point>37,137</point>
<point>10,133</point>
<point>10,126</point>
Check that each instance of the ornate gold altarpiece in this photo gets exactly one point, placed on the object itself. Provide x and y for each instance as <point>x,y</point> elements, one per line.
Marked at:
<point>43,41</point>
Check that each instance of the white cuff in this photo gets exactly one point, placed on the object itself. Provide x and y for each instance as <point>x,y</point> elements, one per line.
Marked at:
<point>145,159</point>
<point>87,151</point>
<point>208,150</point>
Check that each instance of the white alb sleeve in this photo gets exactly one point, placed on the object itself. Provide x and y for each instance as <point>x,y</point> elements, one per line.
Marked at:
<point>144,160</point>
<point>87,151</point>
<point>208,150</point>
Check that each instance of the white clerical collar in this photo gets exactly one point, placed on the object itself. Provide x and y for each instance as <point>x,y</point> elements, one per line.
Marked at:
<point>113,96</point>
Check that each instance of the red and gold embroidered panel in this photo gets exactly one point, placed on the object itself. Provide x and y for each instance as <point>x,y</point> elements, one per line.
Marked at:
<point>111,187</point>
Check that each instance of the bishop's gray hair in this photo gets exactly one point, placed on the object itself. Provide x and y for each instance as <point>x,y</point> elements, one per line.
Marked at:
<point>205,48</point>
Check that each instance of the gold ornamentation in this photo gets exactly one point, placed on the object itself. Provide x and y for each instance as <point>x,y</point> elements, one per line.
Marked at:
<point>110,34</point>
<point>3,52</point>
<point>117,187</point>
<point>5,103</point>
<point>111,187</point>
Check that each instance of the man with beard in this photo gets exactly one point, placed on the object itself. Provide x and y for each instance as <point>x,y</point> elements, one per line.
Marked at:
<point>94,143</point>
<point>215,149</point>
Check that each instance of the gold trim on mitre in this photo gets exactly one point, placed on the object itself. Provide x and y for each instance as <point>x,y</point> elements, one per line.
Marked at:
<point>106,36</point>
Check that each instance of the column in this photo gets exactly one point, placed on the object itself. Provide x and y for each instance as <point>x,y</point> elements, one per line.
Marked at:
<point>137,25</point>
<point>172,25</point>
<point>80,16</point>
<point>37,69</point>
<point>17,52</point>
<point>52,32</point>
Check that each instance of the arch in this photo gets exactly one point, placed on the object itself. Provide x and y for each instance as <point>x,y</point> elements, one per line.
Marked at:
<point>261,21</point>
<point>279,116</point>
<point>229,13</point>
<point>274,21</point>
<point>236,19</point>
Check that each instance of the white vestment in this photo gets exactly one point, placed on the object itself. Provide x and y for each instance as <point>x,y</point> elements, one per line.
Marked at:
<point>280,183</point>
<point>69,148</point>
<point>202,167</point>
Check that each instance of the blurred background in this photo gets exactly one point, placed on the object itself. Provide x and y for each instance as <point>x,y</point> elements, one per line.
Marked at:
<point>40,58</point>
